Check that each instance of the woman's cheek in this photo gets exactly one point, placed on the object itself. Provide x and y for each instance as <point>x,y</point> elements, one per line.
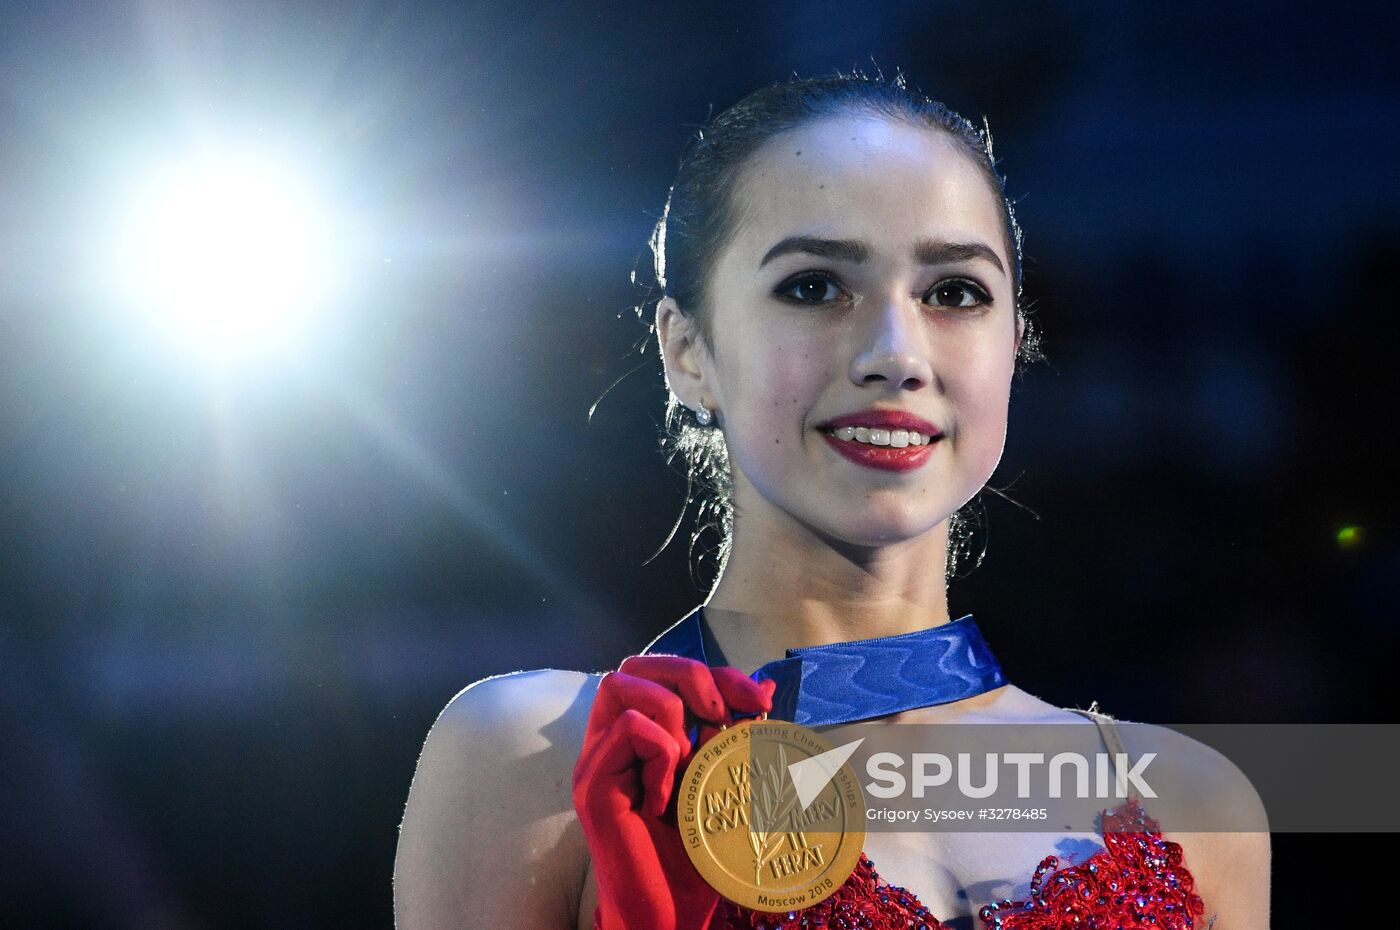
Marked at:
<point>983,421</point>
<point>778,404</point>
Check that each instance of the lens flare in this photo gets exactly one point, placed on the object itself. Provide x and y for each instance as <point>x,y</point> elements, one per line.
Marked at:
<point>228,254</point>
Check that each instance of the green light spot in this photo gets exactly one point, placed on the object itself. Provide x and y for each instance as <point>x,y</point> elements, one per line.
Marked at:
<point>1349,536</point>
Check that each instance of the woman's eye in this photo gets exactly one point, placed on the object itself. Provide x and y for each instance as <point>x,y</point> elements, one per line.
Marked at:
<point>956,293</point>
<point>810,289</point>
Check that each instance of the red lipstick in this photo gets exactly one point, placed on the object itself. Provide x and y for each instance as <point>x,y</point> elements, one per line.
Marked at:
<point>883,419</point>
<point>887,458</point>
<point>884,457</point>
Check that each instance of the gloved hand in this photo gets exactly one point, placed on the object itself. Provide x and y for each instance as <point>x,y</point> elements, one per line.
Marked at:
<point>625,785</point>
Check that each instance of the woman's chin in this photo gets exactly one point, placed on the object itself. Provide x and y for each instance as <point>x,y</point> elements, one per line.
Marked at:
<point>878,527</point>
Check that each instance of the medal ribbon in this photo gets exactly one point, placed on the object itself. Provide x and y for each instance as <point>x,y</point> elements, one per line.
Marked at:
<point>860,679</point>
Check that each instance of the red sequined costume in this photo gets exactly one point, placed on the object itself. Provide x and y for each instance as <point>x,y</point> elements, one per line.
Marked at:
<point>1137,881</point>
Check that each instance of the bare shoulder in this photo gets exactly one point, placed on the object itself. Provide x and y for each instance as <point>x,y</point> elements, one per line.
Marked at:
<point>1224,830</point>
<point>1222,797</point>
<point>489,836</point>
<point>1225,841</point>
<point>526,710</point>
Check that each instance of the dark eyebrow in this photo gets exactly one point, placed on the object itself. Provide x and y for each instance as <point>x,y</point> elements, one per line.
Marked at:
<point>841,250</point>
<point>930,252</point>
<point>926,251</point>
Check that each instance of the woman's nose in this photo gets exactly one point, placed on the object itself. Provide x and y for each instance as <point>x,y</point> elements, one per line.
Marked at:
<point>895,348</point>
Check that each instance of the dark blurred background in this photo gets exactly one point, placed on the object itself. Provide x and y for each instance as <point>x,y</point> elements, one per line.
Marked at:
<point>235,597</point>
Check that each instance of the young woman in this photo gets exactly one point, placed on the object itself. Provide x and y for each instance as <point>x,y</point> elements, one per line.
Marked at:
<point>839,324</point>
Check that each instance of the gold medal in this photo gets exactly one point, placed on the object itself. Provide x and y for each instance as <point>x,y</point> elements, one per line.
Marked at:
<point>744,824</point>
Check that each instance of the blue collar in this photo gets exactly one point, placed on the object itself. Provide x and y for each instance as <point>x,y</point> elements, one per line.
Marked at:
<point>860,679</point>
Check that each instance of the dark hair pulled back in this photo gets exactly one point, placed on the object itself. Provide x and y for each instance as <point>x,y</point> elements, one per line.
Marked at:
<point>701,214</point>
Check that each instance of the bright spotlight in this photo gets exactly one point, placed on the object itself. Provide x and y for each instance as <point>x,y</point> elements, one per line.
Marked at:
<point>230,254</point>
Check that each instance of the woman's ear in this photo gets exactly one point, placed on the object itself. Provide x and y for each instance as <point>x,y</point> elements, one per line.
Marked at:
<point>677,338</point>
<point>1020,331</point>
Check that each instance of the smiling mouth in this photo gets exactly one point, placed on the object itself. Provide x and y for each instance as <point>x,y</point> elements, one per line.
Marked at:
<point>876,436</point>
<point>871,453</point>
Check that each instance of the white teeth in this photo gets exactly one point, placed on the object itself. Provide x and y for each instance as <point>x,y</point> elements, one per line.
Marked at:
<point>881,437</point>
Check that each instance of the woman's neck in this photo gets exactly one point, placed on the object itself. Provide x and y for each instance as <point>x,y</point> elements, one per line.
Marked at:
<point>781,590</point>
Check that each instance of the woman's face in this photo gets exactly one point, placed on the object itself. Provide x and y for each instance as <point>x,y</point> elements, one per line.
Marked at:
<point>867,275</point>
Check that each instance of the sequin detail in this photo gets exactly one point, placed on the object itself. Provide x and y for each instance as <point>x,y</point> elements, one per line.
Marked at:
<point>865,902</point>
<point>1137,881</point>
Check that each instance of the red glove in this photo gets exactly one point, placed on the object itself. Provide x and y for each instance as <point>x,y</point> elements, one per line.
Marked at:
<point>625,785</point>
